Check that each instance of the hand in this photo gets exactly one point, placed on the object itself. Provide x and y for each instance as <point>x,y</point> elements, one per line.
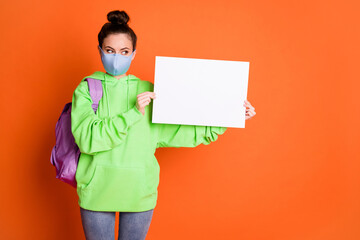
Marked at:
<point>143,99</point>
<point>250,112</point>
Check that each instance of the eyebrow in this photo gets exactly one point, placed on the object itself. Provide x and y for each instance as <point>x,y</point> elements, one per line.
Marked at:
<point>120,49</point>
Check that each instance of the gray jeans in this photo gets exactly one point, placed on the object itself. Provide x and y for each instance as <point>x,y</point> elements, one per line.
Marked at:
<point>101,225</point>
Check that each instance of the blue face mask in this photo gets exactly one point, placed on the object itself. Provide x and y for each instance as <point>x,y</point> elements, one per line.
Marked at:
<point>115,64</point>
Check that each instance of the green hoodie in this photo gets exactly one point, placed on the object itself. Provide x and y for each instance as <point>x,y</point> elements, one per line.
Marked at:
<point>117,169</point>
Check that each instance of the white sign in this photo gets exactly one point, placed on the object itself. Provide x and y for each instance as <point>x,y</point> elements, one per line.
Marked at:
<point>206,92</point>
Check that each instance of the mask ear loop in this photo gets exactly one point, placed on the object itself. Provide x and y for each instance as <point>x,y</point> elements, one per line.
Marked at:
<point>101,49</point>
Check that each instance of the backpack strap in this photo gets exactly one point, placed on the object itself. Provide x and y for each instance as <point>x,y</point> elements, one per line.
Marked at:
<point>96,92</point>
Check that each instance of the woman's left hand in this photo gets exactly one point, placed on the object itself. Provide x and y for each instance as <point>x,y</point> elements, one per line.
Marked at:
<point>250,110</point>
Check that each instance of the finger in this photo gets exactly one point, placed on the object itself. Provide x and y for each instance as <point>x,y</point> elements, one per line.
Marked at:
<point>251,111</point>
<point>144,101</point>
<point>252,114</point>
<point>141,94</point>
<point>248,116</point>
<point>247,103</point>
<point>149,94</point>
<point>250,107</point>
<point>248,113</point>
<point>144,97</point>
<point>145,93</point>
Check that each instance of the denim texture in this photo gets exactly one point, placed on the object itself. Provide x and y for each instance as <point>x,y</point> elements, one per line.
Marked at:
<point>99,225</point>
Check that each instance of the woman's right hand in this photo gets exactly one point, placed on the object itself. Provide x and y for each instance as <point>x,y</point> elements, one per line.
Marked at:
<point>143,99</point>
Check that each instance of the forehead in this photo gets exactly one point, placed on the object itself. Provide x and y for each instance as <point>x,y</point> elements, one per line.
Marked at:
<point>118,40</point>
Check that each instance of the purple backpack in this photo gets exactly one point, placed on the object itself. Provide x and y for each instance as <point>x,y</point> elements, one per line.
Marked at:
<point>65,154</point>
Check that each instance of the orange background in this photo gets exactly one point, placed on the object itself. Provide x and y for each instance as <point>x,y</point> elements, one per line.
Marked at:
<point>291,174</point>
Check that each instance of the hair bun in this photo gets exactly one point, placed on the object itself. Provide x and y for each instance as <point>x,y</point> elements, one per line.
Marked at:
<point>118,17</point>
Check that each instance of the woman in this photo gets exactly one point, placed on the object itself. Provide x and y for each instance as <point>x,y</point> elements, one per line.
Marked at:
<point>117,169</point>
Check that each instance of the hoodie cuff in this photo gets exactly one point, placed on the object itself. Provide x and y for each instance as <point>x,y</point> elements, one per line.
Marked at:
<point>222,129</point>
<point>133,115</point>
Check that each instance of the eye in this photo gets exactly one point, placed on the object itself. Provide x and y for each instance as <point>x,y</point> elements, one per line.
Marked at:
<point>126,52</point>
<point>109,51</point>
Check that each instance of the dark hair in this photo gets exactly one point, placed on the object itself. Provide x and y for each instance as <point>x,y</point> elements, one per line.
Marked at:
<point>117,24</point>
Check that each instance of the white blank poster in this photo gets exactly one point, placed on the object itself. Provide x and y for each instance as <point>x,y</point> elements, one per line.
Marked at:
<point>206,92</point>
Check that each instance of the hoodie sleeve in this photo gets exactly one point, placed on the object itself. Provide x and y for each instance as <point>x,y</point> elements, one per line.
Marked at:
<point>173,135</point>
<point>93,134</point>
